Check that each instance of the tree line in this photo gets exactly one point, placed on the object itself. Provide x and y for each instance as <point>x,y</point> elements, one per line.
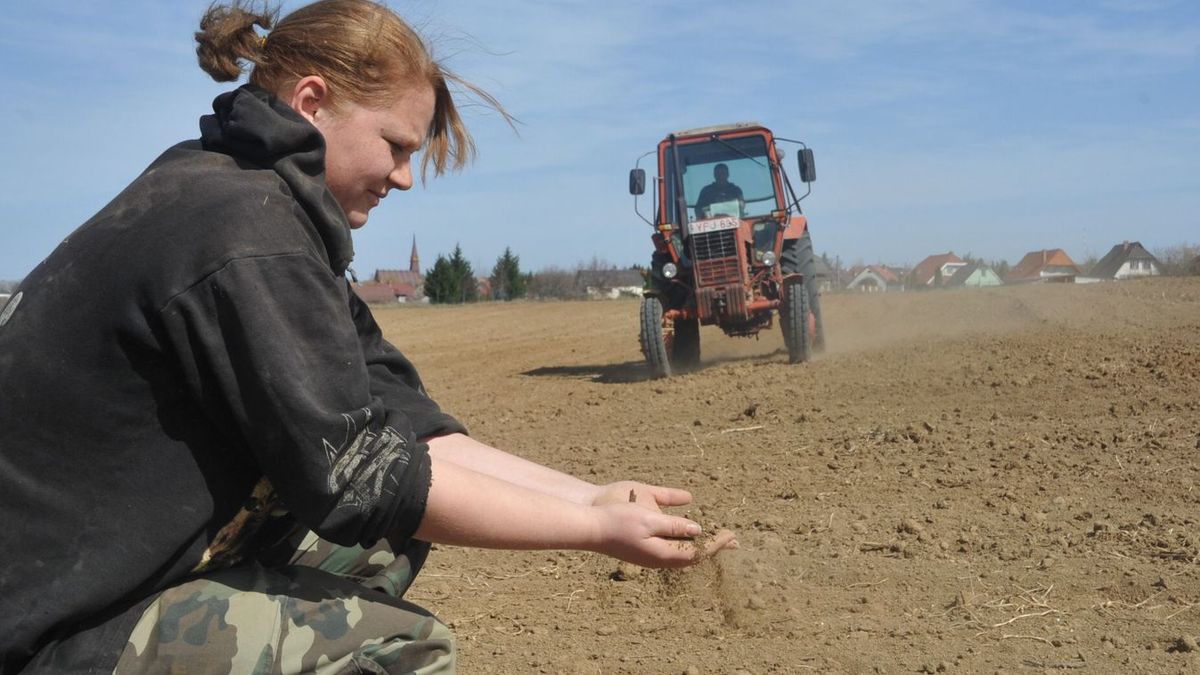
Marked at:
<point>452,279</point>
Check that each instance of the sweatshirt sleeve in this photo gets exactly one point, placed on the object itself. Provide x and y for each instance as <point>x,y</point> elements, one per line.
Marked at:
<point>395,380</point>
<point>268,348</point>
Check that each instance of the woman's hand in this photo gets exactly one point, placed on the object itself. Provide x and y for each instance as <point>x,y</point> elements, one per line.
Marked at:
<point>646,537</point>
<point>653,497</point>
<point>468,508</point>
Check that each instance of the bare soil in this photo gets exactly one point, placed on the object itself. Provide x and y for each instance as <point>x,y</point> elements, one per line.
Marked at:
<point>995,480</point>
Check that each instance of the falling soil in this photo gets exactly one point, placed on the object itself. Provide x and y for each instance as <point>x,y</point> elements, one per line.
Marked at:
<point>997,480</point>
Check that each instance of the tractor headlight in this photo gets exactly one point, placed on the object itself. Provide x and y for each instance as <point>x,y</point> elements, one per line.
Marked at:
<point>670,270</point>
<point>768,258</point>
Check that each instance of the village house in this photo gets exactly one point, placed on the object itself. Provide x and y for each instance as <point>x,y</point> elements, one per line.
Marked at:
<point>375,293</point>
<point>974,275</point>
<point>1126,260</point>
<point>610,284</point>
<point>483,287</point>
<point>873,279</point>
<point>935,270</point>
<point>395,286</point>
<point>1049,265</point>
<point>823,275</point>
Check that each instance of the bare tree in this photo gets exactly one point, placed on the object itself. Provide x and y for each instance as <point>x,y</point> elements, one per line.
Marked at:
<point>552,283</point>
<point>1180,259</point>
<point>599,273</point>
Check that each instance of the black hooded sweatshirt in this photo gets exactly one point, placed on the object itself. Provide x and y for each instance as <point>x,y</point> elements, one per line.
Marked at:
<point>187,362</point>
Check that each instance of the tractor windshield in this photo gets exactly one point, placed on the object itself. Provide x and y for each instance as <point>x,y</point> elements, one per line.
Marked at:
<point>721,177</point>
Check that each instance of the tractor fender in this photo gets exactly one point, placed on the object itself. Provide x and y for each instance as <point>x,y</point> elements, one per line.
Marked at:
<point>796,227</point>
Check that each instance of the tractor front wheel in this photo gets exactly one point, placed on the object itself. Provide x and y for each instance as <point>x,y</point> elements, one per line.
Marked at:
<point>798,258</point>
<point>794,318</point>
<point>654,346</point>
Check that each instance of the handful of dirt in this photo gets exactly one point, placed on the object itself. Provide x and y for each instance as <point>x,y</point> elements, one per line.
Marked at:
<point>708,545</point>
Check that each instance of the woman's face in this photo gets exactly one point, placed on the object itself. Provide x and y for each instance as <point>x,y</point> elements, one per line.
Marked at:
<point>369,151</point>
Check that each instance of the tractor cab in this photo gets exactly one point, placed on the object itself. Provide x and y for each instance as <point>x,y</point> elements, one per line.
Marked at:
<point>718,176</point>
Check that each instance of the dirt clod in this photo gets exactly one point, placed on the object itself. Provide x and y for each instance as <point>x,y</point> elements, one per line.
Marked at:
<point>1184,643</point>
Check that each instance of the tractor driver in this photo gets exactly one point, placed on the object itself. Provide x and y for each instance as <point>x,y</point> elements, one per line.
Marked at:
<point>720,190</point>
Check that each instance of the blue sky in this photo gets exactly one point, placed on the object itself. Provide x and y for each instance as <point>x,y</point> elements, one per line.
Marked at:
<point>984,127</point>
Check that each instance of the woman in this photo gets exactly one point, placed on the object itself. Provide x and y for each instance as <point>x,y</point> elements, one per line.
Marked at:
<point>211,458</point>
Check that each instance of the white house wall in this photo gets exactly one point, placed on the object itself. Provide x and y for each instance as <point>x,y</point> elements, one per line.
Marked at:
<point>948,270</point>
<point>1127,270</point>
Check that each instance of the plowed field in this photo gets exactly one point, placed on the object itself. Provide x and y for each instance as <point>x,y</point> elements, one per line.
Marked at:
<point>966,481</point>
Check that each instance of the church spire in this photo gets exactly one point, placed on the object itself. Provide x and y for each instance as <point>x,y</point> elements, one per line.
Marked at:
<point>414,261</point>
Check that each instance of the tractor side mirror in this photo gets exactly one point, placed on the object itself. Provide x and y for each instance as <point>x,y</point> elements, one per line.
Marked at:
<point>808,167</point>
<point>637,181</point>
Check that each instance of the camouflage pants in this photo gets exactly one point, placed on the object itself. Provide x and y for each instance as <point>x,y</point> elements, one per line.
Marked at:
<point>332,609</point>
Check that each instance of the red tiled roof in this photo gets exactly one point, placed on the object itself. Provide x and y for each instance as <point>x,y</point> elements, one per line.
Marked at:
<point>885,273</point>
<point>398,277</point>
<point>404,290</point>
<point>375,293</point>
<point>1052,261</point>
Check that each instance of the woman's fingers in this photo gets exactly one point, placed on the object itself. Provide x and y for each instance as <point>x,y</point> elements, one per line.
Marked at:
<point>692,546</point>
<point>666,496</point>
<point>681,528</point>
<point>723,539</point>
<point>652,497</point>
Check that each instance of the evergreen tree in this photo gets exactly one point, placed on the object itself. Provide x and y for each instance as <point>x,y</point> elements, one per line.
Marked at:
<point>441,286</point>
<point>451,281</point>
<point>507,281</point>
<point>468,289</point>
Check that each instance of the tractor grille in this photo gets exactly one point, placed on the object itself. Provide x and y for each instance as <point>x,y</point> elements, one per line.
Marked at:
<point>715,256</point>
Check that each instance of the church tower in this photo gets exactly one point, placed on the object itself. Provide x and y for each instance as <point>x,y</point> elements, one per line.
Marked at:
<point>414,261</point>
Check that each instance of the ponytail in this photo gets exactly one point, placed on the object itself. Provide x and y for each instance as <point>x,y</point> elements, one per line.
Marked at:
<point>227,40</point>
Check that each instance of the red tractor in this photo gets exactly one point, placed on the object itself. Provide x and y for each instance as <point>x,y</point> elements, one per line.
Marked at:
<point>731,247</point>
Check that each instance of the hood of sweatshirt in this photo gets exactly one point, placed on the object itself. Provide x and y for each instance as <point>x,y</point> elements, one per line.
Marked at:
<point>254,126</point>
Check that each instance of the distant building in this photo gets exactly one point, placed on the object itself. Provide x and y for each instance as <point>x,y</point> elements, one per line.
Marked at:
<point>393,286</point>
<point>610,284</point>
<point>1050,265</point>
<point>873,279</point>
<point>974,275</point>
<point>823,275</point>
<point>1126,260</point>
<point>375,293</point>
<point>483,287</point>
<point>936,270</point>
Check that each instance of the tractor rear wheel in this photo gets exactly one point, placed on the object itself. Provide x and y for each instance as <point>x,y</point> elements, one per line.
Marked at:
<point>794,318</point>
<point>685,347</point>
<point>797,258</point>
<point>654,347</point>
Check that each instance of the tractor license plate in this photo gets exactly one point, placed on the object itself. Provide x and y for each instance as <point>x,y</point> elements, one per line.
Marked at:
<point>713,225</point>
